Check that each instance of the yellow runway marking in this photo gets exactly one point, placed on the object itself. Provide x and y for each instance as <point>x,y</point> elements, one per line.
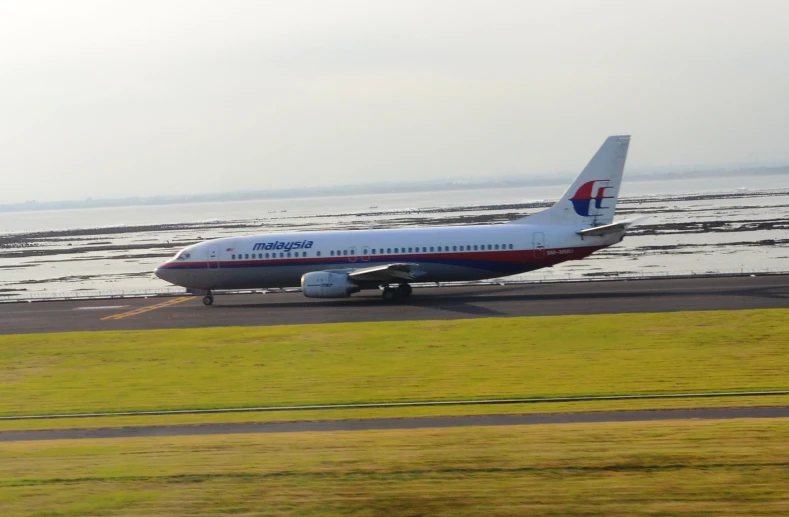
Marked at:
<point>147,308</point>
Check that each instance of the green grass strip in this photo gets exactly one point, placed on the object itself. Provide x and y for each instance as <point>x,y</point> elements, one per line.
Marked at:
<point>682,468</point>
<point>389,362</point>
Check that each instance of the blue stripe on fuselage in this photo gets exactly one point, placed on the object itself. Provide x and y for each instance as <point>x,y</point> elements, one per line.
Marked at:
<point>487,265</point>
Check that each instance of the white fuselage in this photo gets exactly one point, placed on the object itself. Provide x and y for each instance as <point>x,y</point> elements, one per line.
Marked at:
<point>453,253</point>
<point>338,263</point>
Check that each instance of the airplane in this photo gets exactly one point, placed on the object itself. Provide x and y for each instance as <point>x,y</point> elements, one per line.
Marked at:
<point>336,264</point>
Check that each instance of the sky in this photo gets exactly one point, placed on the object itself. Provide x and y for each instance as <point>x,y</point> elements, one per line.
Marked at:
<point>164,97</point>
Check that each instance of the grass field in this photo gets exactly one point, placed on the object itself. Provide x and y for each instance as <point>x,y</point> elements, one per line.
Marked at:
<point>404,361</point>
<point>682,468</point>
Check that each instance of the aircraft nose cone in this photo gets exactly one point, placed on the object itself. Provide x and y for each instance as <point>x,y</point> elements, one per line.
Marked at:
<point>162,272</point>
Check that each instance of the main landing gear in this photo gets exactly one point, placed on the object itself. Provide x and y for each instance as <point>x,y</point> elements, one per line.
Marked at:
<point>401,292</point>
<point>208,299</point>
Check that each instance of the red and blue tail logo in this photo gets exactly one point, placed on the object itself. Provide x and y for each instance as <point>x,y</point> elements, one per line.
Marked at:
<point>590,191</point>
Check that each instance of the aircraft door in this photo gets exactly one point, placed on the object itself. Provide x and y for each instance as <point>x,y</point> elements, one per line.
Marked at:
<point>538,245</point>
<point>365,253</point>
<point>213,256</point>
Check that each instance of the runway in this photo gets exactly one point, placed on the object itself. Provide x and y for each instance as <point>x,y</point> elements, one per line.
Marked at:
<point>397,423</point>
<point>435,303</point>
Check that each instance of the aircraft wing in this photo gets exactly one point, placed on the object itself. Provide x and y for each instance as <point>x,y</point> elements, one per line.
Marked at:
<point>608,229</point>
<point>396,272</point>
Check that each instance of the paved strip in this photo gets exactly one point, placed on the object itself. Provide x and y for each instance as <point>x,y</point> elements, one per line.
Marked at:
<point>440,303</point>
<point>398,423</point>
<point>383,405</point>
<point>148,308</point>
<point>101,308</point>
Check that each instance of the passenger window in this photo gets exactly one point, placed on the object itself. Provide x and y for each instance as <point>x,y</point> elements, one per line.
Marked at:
<point>318,253</point>
<point>233,257</point>
<point>496,246</point>
<point>344,253</point>
<point>331,253</point>
<point>431,248</point>
<point>281,255</point>
<point>510,246</point>
<point>266,255</point>
<point>475,247</point>
<point>410,250</point>
<point>389,250</point>
<point>454,248</point>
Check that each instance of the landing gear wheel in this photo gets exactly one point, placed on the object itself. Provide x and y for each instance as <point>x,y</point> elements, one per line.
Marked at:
<point>404,290</point>
<point>388,294</point>
<point>208,300</point>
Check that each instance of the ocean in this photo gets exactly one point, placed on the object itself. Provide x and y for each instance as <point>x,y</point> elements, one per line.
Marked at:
<point>692,226</point>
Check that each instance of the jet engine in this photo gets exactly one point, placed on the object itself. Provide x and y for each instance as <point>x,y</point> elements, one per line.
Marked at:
<point>326,284</point>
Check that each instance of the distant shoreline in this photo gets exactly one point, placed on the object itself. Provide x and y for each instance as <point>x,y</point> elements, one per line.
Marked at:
<point>366,189</point>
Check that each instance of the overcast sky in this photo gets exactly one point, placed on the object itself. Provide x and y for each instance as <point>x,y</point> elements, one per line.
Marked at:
<point>116,98</point>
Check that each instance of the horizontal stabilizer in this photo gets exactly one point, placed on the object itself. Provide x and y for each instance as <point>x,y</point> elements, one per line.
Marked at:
<point>609,229</point>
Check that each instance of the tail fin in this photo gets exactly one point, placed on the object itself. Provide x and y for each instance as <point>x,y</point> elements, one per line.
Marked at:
<point>592,197</point>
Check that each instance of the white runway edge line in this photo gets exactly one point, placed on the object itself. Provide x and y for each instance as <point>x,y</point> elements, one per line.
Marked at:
<point>399,405</point>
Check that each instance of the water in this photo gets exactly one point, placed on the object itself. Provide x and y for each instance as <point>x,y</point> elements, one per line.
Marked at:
<point>741,223</point>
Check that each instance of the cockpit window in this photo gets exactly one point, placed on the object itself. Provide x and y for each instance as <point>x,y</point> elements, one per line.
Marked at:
<point>182,255</point>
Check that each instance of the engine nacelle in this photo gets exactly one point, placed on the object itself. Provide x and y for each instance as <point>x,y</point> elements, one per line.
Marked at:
<point>325,284</point>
